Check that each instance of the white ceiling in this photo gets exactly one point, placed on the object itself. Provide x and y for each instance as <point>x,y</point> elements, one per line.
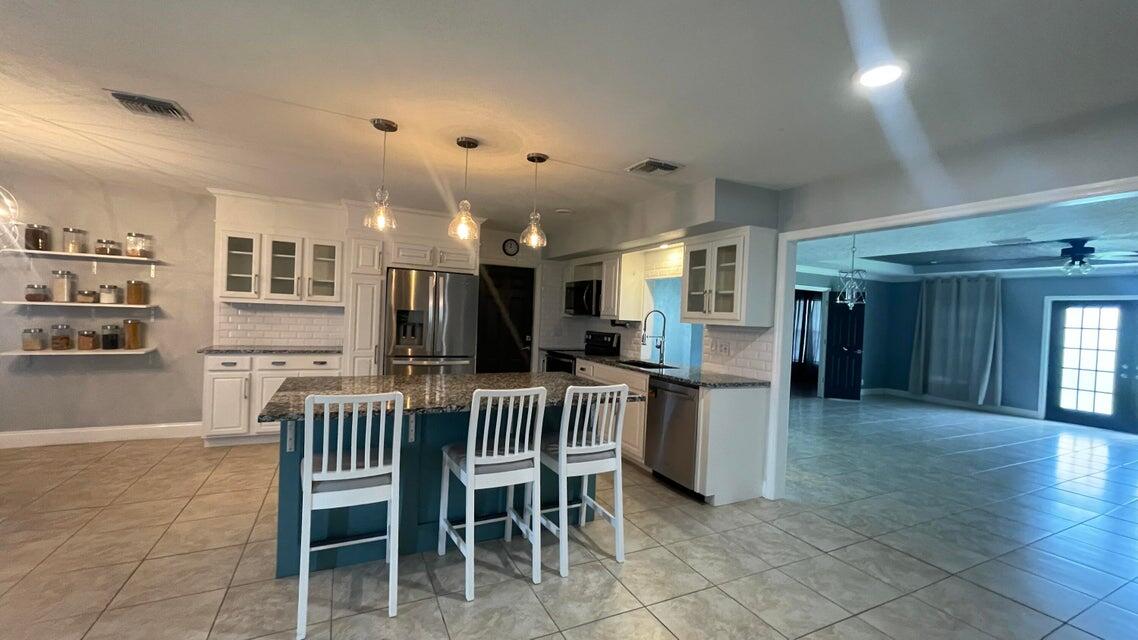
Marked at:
<point>1112,225</point>
<point>758,92</point>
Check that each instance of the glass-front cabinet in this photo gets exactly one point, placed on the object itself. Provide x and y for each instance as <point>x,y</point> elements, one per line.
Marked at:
<point>729,278</point>
<point>283,261</point>
<point>695,279</point>
<point>240,262</point>
<point>322,270</point>
<point>725,281</point>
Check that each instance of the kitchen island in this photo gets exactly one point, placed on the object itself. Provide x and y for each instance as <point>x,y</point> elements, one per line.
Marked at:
<point>436,412</point>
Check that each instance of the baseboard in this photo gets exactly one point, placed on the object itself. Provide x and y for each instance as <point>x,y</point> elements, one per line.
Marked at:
<point>230,441</point>
<point>80,435</point>
<point>908,395</point>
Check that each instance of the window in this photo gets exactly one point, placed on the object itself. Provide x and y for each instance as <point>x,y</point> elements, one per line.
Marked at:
<point>1088,360</point>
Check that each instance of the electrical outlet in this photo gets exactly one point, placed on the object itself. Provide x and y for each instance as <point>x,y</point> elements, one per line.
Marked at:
<point>723,347</point>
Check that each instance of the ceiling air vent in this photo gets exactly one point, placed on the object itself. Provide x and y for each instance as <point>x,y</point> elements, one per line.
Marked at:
<point>653,166</point>
<point>147,106</point>
<point>1003,242</point>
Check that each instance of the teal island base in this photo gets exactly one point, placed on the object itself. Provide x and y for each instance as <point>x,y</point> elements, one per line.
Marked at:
<point>424,436</point>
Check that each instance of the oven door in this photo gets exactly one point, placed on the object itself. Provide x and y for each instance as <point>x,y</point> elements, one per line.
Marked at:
<point>558,362</point>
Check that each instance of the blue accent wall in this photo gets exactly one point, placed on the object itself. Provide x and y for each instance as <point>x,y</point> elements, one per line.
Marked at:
<point>684,344</point>
<point>890,325</point>
<point>1023,300</point>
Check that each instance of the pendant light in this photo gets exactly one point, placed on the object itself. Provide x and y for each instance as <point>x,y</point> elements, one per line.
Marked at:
<point>9,207</point>
<point>852,282</point>
<point>532,236</point>
<point>463,226</point>
<point>380,218</point>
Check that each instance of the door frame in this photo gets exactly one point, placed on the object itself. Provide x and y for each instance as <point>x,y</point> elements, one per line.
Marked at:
<point>825,291</point>
<point>774,467</point>
<point>1045,349</point>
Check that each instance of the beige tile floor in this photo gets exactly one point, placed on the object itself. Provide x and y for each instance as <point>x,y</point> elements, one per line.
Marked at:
<point>902,520</point>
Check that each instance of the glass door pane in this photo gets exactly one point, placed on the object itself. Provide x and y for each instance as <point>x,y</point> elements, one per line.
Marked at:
<point>726,266</point>
<point>697,281</point>
<point>322,278</point>
<point>1091,362</point>
<point>240,264</point>
<point>284,267</point>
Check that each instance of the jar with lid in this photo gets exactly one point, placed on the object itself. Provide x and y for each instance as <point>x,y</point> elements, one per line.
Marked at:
<point>63,286</point>
<point>88,340</point>
<point>60,337</point>
<point>86,295</point>
<point>37,293</point>
<point>108,247</point>
<point>37,237</point>
<point>108,294</point>
<point>111,336</point>
<point>139,245</point>
<point>137,292</point>
<point>34,340</point>
<point>133,332</point>
<point>74,240</point>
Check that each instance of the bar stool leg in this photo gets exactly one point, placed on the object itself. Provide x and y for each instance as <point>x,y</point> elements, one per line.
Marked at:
<point>584,490</point>
<point>618,508</point>
<point>443,498</point>
<point>470,541</point>
<point>533,500</point>
<point>563,523</point>
<point>393,550</point>
<point>305,552</point>
<point>509,507</point>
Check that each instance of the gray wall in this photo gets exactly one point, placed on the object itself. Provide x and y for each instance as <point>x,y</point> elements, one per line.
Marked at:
<point>890,325</point>
<point>78,391</point>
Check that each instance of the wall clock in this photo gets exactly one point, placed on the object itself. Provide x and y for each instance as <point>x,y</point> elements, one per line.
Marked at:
<point>510,247</point>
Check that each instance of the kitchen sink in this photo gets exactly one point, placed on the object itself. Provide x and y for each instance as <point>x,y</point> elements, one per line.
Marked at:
<point>646,365</point>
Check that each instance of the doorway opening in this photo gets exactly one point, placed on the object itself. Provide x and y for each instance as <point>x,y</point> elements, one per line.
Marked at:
<point>505,319</point>
<point>806,352</point>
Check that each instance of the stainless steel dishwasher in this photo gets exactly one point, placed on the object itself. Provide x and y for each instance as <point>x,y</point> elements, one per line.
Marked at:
<point>672,431</point>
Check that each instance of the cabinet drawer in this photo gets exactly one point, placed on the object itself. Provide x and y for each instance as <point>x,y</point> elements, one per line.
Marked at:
<point>583,369</point>
<point>637,382</point>
<point>228,363</point>
<point>413,254</point>
<point>294,362</point>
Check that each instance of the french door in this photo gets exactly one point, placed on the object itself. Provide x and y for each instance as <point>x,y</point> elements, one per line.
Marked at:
<point>1093,360</point>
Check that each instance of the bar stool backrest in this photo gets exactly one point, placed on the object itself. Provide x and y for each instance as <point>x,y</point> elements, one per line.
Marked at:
<point>352,447</point>
<point>505,426</point>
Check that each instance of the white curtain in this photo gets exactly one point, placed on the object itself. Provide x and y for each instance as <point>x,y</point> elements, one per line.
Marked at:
<point>807,346</point>
<point>958,342</point>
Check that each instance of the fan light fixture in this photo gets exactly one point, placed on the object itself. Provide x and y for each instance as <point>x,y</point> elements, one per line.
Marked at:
<point>533,236</point>
<point>463,225</point>
<point>1075,257</point>
<point>380,218</point>
<point>852,281</point>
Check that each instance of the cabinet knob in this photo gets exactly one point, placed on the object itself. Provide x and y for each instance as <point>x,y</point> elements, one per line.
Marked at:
<point>278,363</point>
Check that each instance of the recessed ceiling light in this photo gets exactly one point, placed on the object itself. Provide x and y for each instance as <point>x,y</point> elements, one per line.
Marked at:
<point>563,211</point>
<point>881,75</point>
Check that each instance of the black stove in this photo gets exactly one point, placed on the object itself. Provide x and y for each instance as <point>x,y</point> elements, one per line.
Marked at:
<point>597,343</point>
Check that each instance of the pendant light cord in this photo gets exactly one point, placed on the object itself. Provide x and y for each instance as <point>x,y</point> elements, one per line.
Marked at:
<point>383,164</point>
<point>466,176</point>
<point>535,187</point>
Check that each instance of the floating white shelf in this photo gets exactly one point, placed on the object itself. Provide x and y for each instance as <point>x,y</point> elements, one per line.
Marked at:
<point>96,257</point>
<point>87,305</point>
<point>76,352</point>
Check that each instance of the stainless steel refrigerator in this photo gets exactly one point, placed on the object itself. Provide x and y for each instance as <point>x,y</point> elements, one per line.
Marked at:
<point>432,322</point>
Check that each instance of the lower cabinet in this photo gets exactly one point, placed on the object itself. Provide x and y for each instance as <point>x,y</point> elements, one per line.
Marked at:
<point>635,413</point>
<point>237,388</point>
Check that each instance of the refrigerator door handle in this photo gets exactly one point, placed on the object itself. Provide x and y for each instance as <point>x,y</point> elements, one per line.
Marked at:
<point>429,362</point>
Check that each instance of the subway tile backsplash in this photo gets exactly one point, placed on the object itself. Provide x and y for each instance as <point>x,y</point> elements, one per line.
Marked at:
<point>278,325</point>
<point>742,351</point>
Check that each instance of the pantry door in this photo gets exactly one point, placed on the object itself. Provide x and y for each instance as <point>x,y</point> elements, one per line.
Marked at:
<point>1093,361</point>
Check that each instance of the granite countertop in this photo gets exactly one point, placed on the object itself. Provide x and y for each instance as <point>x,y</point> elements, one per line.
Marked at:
<point>221,349</point>
<point>690,376</point>
<point>443,393</point>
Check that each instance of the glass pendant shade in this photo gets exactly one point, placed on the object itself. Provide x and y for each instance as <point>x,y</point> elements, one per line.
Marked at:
<point>852,282</point>
<point>9,208</point>
<point>380,218</point>
<point>533,236</point>
<point>463,226</point>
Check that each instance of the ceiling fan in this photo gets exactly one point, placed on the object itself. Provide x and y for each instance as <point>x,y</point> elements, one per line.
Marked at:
<point>1077,257</point>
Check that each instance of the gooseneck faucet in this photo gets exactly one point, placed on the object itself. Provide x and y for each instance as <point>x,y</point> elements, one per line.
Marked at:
<point>644,337</point>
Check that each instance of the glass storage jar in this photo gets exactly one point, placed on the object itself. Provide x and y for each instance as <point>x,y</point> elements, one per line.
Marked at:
<point>133,332</point>
<point>37,237</point>
<point>139,245</point>
<point>86,295</point>
<point>61,337</point>
<point>62,286</point>
<point>111,336</point>
<point>108,247</point>
<point>74,240</point>
<point>34,340</point>
<point>88,340</point>
<point>108,294</point>
<point>37,293</point>
<point>137,292</point>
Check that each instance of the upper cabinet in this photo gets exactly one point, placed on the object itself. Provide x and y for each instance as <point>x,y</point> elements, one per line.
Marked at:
<point>622,283</point>
<point>418,254</point>
<point>279,268</point>
<point>728,278</point>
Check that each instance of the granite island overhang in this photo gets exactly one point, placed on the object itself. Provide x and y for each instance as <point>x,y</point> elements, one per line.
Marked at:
<point>435,414</point>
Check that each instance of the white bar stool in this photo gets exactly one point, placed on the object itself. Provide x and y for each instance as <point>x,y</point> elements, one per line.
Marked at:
<point>352,468</point>
<point>501,450</point>
<point>589,443</point>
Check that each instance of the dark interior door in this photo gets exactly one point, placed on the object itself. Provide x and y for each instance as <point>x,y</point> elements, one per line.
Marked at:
<point>844,331</point>
<point>505,319</point>
<point>1093,360</point>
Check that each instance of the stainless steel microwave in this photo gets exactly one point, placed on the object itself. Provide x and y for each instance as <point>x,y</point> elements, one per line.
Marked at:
<point>583,298</point>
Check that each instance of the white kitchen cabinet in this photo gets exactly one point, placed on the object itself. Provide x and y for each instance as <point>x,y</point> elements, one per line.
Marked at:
<point>416,255</point>
<point>239,256</point>
<point>283,262</point>
<point>322,270</point>
<point>622,283</point>
<point>632,438</point>
<point>225,403</point>
<point>364,319</point>
<point>456,259</point>
<point>728,278</point>
<point>265,384</point>
<point>610,287</point>
<point>366,256</point>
